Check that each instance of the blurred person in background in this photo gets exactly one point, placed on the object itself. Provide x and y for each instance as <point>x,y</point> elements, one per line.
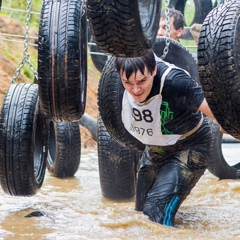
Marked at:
<point>176,22</point>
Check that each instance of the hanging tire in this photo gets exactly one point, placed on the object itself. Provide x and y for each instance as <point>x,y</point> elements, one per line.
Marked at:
<point>217,164</point>
<point>23,141</point>
<point>62,60</point>
<point>219,62</point>
<point>117,166</point>
<point>64,149</point>
<point>177,55</point>
<point>202,8</point>
<point>124,28</point>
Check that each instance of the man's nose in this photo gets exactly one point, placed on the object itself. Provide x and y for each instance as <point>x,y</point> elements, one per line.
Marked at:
<point>135,89</point>
<point>160,32</point>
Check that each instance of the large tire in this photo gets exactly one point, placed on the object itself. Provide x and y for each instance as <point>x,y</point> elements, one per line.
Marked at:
<point>23,141</point>
<point>64,149</point>
<point>202,8</point>
<point>217,164</point>
<point>117,166</point>
<point>124,27</point>
<point>62,60</point>
<point>219,64</point>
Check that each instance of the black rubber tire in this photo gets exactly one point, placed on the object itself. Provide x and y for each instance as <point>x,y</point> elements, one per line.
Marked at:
<point>202,8</point>
<point>124,28</point>
<point>23,141</point>
<point>117,166</point>
<point>62,60</point>
<point>178,55</point>
<point>110,93</point>
<point>217,164</point>
<point>64,149</point>
<point>219,64</point>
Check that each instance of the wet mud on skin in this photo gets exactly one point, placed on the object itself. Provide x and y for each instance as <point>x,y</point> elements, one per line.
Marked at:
<point>75,209</point>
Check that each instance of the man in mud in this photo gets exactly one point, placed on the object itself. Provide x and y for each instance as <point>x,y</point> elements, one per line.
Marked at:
<point>164,108</point>
<point>176,24</point>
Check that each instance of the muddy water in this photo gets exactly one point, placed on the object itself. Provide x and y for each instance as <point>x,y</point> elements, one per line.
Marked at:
<point>74,209</point>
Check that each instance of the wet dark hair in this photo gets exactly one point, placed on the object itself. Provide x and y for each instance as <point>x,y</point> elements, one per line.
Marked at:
<point>178,19</point>
<point>132,65</point>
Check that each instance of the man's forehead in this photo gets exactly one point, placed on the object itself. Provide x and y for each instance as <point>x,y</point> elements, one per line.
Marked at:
<point>164,22</point>
<point>134,75</point>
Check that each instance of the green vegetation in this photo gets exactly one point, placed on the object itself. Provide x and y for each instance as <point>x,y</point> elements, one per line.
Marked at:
<point>16,9</point>
<point>23,5</point>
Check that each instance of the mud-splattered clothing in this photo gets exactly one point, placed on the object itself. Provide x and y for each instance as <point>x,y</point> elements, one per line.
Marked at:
<point>167,174</point>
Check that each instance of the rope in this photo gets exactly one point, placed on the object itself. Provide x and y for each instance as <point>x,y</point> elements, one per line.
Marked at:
<point>26,44</point>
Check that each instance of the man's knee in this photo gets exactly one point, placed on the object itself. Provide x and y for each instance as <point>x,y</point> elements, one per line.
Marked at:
<point>167,193</point>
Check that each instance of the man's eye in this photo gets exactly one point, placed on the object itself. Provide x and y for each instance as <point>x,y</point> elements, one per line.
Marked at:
<point>142,81</point>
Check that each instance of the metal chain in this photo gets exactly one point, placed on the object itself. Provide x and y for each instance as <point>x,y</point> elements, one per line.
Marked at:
<point>166,48</point>
<point>25,51</point>
<point>83,8</point>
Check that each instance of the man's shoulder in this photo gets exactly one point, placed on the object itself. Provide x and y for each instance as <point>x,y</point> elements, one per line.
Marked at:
<point>162,66</point>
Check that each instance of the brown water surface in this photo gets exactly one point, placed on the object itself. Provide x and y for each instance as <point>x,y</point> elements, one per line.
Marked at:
<point>75,209</point>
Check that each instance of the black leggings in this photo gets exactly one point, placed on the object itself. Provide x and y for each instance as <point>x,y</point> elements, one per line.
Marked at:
<point>165,180</point>
<point>171,186</point>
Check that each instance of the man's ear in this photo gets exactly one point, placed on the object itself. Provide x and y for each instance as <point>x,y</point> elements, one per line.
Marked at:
<point>155,71</point>
<point>179,32</point>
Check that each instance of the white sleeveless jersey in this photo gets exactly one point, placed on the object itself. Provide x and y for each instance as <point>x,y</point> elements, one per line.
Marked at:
<point>143,120</point>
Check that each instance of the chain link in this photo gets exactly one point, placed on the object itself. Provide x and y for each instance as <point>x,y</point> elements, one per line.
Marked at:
<point>166,48</point>
<point>25,51</point>
<point>83,8</point>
